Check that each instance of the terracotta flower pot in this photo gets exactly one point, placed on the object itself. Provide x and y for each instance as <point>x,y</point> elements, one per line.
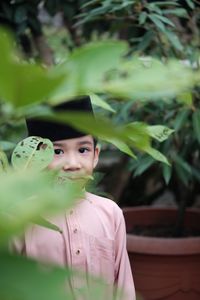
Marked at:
<point>164,268</point>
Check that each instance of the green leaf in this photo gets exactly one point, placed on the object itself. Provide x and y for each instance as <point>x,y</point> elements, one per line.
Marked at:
<point>96,100</point>
<point>143,164</point>
<point>173,38</point>
<point>25,279</point>
<point>157,22</point>
<point>179,12</point>
<point>87,66</point>
<point>190,3</point>
<point>122,146</point>
<point>165,20</point>
<point>22,83</point>
<point>196,124</point>
<point>32,153</point>
<point>139,137</point>
<point>154,8</point>
<point>45,223</point>
<point>132,134</point>
<point>154,81</point>
<point>27,195</point>
<point>159,132</point>
<point>183,169</point>
<point>146,40</point>
<point>167,173</point>
<point>48,282</point>
<point>166,3</point>
<point>181,119</point>
<point>98,126</point>
<point>142,18</point>
<point>157,155</point>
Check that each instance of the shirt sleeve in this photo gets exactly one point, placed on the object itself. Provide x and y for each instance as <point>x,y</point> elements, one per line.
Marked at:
<point>123,274</point>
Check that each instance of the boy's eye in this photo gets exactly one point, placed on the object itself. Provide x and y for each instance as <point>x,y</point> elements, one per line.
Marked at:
<point>58,151</point>
<point>83,150</point>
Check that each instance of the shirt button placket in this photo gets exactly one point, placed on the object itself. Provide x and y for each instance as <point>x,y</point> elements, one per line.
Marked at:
<point>75,238</point>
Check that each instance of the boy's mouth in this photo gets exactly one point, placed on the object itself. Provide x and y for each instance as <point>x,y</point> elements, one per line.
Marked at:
<point>62,176</point>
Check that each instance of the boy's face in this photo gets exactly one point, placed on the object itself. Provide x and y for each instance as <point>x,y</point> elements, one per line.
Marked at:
<point>77,157</point>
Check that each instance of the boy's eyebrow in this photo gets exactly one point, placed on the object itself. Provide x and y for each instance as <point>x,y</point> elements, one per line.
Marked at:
<point>58,144</point>
<point>79,143</point>
<point>85,143</point>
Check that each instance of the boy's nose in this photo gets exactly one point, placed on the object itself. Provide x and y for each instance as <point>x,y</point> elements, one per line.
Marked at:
<point>71,164</point>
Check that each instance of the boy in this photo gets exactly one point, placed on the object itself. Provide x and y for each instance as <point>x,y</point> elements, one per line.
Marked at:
<point>93,237</point>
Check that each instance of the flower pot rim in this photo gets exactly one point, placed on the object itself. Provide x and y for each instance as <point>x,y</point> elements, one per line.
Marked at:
<point>162,246</point>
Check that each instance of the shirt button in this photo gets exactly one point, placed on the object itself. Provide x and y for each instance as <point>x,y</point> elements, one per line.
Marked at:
<point>78,252</point>
<point>75,230</point>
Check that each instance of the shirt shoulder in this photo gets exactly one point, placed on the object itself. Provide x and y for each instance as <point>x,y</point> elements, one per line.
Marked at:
<point>105,204</point>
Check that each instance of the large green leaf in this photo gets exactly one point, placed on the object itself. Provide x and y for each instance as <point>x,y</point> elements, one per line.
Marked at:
<point>130,135</point>
<point>23,279</point>
<point>23,83</point>
<point>86,68</point>
<point>98,127</point>
<point>150,81</point>
<point>28,195</point>
<point>26,279</point>
<point>33,152</point>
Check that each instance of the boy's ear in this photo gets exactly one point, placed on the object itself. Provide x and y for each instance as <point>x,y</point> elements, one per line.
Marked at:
<point>96,156</point>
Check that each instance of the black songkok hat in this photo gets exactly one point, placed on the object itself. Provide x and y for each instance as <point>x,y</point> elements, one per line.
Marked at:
<point>57,131</point>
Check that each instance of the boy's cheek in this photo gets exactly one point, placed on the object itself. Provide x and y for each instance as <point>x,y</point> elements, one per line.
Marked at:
<point>54,164</point>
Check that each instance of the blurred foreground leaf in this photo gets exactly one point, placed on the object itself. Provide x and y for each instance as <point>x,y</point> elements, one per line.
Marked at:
<point>23,83</point>
<point>25,279</point>
<point>152,81</point>
<point>132,135</point>
<point>28,195</point>
<point>85,68</point>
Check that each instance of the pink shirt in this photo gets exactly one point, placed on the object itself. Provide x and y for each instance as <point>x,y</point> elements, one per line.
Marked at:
<point>93,240</point>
